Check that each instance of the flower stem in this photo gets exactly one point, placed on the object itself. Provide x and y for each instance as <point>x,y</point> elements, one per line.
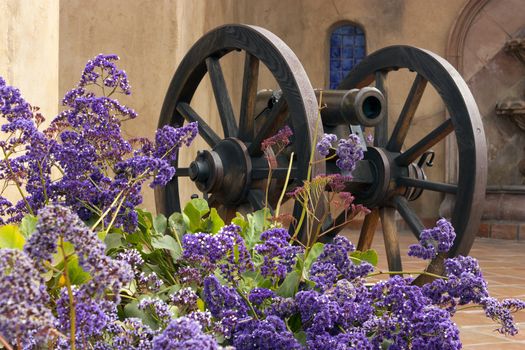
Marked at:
<point>5,344</point>
<point>284,187</point>
<point>407,273</point>
<point>72,311</point>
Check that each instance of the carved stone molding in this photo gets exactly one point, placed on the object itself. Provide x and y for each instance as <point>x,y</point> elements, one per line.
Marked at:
<point>513,109</point>
<point>516,47</point>
<point>460,28</point>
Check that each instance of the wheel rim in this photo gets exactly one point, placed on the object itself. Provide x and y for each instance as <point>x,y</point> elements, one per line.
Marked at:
<point>260,46</point>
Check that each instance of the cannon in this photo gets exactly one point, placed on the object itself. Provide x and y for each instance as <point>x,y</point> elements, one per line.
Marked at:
<point>231,170</point>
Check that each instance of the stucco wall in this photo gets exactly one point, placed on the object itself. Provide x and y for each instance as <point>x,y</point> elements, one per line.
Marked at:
<point>152,36</point>
<point>29,53</point>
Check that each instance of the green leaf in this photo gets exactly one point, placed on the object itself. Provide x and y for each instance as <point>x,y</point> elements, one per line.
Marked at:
<point>132,310</point>
<point>290,285</point>
<point>301,337</point>
<point>160,223</point>
<point>370,256</point>
<point>77,275</point>
<point>314,252</point>
<point>145,220</point>
<point>256,224</point>
<point>200,304</point>
<point>10,237</point>
<point>216,222</point>
<point>113,241</point>
<point>168,243</point>
<point>28,225</point>
<point>176,225</point>
<point>195,210</point>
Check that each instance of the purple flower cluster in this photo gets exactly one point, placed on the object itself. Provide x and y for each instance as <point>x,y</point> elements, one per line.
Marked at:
<point>23,299</point>
<point>100,170</point>
<point>325,144</point>
<point>129,334</point>
<point>501,312</point>
<point>149,281</point>
<point>226,249</point>
<point>349,152</point>
<point>59,223</point>
<point>185,299</point>
<point>92,315</point>
<point>184,334</point>
<point>223,301</point>
<point>103,68</point>
<point>157,308</point>
<point>406,316</point>
<point>281,139</point>
<point>259,295</point>
<point>434,241</point>
<point>335,261</point>
<point>279,255</point>
<point>270,333</point>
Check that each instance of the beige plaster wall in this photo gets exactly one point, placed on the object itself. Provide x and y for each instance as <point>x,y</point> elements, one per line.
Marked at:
<point>29,51</point>
<point>152,36</point>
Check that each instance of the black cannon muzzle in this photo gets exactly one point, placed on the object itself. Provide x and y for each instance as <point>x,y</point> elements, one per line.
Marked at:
<point>364,106</point>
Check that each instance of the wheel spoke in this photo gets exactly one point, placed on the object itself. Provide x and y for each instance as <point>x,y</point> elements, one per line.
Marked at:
<point>277,173</point>
<point>391,238</point>
<point>368,230</point>
<point>249,95</point>
<point>407,113</point>
<point>427,185</point>
<point>271,123</point>
<point>381,130</point>
<point>222,98</point>
<point>412,220</point>
<point>425,143</point>
<point>256,198</point>
<point>205,131</point>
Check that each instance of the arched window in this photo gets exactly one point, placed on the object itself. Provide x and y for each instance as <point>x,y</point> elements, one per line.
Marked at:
<point>347,48</point>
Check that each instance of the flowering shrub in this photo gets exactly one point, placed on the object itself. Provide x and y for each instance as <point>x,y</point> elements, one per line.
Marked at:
<point>92,271</point>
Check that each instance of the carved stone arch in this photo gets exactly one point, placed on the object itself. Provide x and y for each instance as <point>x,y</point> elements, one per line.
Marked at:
<point>476,47</point>
<point>460,29</point>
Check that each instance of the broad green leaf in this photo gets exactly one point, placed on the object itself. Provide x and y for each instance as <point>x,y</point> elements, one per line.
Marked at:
<point>290,285</point>
<point>195,210</point>
<point>370,256</point>
<point>301,337</point>
<point>216,222</point>
<point>256,223</point>
<point>10,237</point>
<point>76,274</point>
<point>145,219</point>
<point>132,310</point>
<point>176,225</point>
<point>160,223</point>
<point>314,252</point>
<point>169,243</point>
<point>28,225</point>
<point>113,241</point>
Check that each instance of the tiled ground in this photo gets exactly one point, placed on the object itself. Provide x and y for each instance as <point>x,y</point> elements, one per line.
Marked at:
<point>503,265</point>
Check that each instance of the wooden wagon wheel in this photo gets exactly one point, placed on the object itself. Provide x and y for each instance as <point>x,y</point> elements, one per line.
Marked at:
<point>231,169</point>
<point>398,177</point>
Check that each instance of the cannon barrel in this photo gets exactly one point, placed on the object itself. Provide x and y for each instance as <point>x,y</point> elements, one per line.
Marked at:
<point>364,106</point>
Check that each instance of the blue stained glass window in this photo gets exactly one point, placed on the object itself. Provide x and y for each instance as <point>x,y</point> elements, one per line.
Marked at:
<point>347,48</point>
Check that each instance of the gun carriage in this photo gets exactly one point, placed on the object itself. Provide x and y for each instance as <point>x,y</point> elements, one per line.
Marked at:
<point>232,168</point>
